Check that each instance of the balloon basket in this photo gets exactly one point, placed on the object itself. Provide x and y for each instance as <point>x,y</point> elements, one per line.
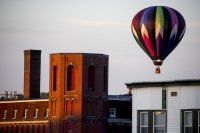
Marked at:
<point>157,71</point>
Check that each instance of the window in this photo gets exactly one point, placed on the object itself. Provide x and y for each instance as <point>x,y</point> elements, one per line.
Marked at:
<point>7,129</point>
<point>4,114</point>
<point>152,121</point>
<point>53,107</point>
<point>44,128</point>
<point>35,113</point>
<point>112,112</point>
<point>22,129</point>
<point>46,114</point>
<point>70,78</point>
<point>164,99</point>
<point>25,113</point>
<point>105,79</point>
<point>14,114</point>
<point>143,122</point>
<point>173,94</point>
<point>72,106</point>
<point>27,128</point>
<point>159,122</point>
<point>91,78</point>
<point>104,111</point>
<point>38,128</point>
<point>190,121</point>
<point>198,121</point>
<point>11,128</point>
<point>54,77</point>
<point>17,129</point>
<point>33,128</point>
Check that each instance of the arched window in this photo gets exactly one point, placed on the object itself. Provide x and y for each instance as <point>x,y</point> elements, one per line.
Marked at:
<point>70,78</point>
<point>91,78</point>
<point>54,77</point>
<point>14,115</point>
<point>35,113</point>
<point>44,128</point>
<point>25,113</point>
<point>105,79</point>
<point>46,113</point>
<point>4,114</point>
<point>67,106</point>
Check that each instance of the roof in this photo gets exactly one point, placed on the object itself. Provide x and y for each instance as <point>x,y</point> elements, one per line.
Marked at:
<point>119,121</point>
<point>22,101</point>
<point>32,51</point>
<point>162,83</point>
<point>119,97</point>
<point>79,53</point>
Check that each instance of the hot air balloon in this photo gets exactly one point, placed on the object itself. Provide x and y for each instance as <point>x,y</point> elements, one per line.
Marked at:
<point>158,30</point>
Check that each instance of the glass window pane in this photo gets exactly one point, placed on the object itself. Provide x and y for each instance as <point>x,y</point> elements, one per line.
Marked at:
<point>199,117</point>
<point>188,130</point>
<point>91,78</point>
<point>112,112</point>
<point>54,77</point>
<point>188,118</point>
<point>70,78</point>
<point>159,118</point>
<point>199,121</point>
<point>159,130</point>
<point>144,130</point>
<point>144,119</point>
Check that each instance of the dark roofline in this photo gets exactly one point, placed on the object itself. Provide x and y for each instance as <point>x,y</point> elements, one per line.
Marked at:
<point>162,83</point>
<point>119,97</point>
<point>32,51</point>
<point>79,53</point>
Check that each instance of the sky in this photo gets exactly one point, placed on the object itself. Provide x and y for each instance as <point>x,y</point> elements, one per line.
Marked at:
<point>92,26</point>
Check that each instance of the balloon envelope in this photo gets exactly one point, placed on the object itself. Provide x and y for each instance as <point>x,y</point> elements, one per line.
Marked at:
<point>158,30</point>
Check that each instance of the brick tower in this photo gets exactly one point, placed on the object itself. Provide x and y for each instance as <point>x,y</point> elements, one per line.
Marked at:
<point>32,64</point>
<point>78,93</point>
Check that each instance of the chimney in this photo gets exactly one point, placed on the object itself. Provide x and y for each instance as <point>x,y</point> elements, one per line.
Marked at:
<point>32,64</point>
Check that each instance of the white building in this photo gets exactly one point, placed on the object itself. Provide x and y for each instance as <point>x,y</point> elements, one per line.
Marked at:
<point>166,107</point>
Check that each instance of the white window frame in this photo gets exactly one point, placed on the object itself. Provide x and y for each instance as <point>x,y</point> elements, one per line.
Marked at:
<point>15,114</point>
<point>113,114</point>
<point>4,114</point>
<point>184,120</point>
<point>143,112</point>
<point>162,126</point>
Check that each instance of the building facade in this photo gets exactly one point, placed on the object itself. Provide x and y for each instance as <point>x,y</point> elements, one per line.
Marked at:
<point>78,89</point>
<point>167,107</point>
<point>78,93</point>
<point>119,114</point>
<point>24,116</point>
<point>32,68</point>
<point>78,99</point>
<point>31,114</point>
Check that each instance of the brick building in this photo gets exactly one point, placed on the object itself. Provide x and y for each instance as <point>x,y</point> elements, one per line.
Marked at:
<point>77,103</point>
<point>31,114</point>
<point>78,93</point>
<point>24,116</point>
